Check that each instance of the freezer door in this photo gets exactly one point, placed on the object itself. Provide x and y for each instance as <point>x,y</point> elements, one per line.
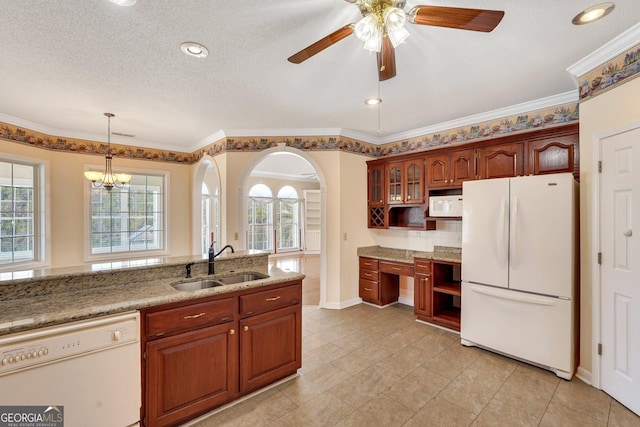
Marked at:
<point>485,227</point>
<point>542,234</point>
<point>534,328</point>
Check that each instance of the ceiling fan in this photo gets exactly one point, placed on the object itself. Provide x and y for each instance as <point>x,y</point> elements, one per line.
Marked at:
<point>382,28</point>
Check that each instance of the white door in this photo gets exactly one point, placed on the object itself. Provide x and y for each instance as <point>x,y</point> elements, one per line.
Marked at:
<point>620,277</point>
<point>485,232</point>
<point>542,237</point>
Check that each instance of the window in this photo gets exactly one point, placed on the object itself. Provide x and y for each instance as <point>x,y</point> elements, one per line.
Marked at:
<point>210,219</point>
<point>129,219</point>
<point>260,218</point>
<point>287,218</point>
<point>19,214</point>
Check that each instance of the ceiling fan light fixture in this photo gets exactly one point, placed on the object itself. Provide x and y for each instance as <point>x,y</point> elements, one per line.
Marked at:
<point>367,28</point>
<point>194,49</point>
<point>593,13</point>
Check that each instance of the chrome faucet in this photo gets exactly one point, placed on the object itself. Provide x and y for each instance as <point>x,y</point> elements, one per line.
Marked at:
<point>213,255</point>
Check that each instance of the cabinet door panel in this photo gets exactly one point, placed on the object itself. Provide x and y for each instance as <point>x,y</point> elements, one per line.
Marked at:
<point>422,296</point>
<point>394,183</point>
<point>375,185</point>
<point>500,161</point>
<point>190,373</point>
<point>552,156</point>
<point>414,177</point>
<point>270,347</point>
<point>438,171</point>
<point>462,167</point>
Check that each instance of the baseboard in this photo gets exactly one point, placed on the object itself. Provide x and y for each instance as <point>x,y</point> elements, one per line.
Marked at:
<point>342,304</point>
<point>406,301</point>
<point>584,375</point>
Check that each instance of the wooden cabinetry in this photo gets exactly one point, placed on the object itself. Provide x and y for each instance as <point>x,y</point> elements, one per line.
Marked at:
<point>552,155</point>
<point>270,342</point>
<point>450,169</point>
<point>405,182</point>
<point>201,354</point>
<point>422,289</point>
<point>379,282</point>
<point>376,215</point>
<point>500,161</point>
<point>191,361</point>
<point>445,308</point>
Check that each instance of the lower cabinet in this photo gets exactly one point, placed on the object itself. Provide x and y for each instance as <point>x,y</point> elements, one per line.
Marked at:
<point>422,289</point>
<point>189,373</point>
<point>204,353</point>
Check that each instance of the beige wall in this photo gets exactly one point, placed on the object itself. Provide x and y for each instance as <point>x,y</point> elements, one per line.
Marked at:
<point>67,188</point>
<point>607,111</point>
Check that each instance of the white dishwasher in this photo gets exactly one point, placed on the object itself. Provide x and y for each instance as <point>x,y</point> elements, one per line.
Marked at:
<point>88,370</point>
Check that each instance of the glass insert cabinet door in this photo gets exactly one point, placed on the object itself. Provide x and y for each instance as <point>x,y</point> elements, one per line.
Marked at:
<point>394,174</point>
<point>414,182</point>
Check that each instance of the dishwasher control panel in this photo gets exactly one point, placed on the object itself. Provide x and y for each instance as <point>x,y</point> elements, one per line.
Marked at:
<point>42,346</point>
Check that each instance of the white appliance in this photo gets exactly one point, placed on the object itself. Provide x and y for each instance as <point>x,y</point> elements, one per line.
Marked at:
<point>446,206</point>
<point>518,269</point>
<point>89,368</point>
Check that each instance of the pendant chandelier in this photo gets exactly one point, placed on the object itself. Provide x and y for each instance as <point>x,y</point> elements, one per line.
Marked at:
<point>381,18</point>
<point>108,179</point>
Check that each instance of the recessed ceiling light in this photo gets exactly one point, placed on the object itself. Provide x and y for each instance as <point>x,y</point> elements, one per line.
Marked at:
<point>194,49</point>
<point>593,13</point>
<point>372,101</point>
<point>124,2</point>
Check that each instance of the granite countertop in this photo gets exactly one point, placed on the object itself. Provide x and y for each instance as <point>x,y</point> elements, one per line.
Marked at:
<point>45,310</point>
<point>440,253</point>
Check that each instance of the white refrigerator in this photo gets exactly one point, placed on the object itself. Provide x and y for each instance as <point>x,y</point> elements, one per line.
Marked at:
<point>519,269</point>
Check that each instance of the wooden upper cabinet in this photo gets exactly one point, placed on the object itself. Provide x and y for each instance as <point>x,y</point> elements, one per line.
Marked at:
<point>375,184</point>
<point>500,161</point>
<point>463,167</point>
<point>450,169</point>
<point>405,182</point>
<point>438,170</point>
<point>552,155</point>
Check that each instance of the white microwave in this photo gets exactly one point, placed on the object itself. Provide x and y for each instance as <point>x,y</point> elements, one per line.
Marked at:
<point>445,206</point>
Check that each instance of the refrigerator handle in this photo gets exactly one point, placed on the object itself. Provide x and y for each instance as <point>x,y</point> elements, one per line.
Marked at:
<point>502,233</point>
<point>514,296</point>
<point>514,231</point>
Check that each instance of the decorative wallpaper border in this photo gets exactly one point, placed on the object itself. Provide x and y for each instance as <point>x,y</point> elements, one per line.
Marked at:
<point>615,72</point>
<point>526,122</point>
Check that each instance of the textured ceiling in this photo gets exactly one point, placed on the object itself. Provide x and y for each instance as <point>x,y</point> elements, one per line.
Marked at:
<point>64,63</point>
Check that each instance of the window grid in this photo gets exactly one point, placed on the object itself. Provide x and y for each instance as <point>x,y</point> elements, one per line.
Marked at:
<point>128,219</point>
<point>17,213</point>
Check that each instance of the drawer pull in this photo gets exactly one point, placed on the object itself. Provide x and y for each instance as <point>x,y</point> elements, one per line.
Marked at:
<point>367,263</point>
<point>194,316</point>
<point>367,289</point>
<point>224,319</point>
<point>246,328</point>
<point>423,265</point>
<point>397,268</point>
<point>367,274</point>
<point>273,299</point>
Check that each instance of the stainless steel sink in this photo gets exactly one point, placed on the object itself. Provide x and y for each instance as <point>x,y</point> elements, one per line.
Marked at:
<point>221,281</point>
<point>240,278</point>
<point>194,286</point>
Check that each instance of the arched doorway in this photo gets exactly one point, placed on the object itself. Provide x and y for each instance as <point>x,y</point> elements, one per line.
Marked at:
<point>285,171</point>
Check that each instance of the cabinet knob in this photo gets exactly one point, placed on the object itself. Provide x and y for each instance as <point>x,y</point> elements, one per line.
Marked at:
<point>246,328</point>
<point>232,331</point>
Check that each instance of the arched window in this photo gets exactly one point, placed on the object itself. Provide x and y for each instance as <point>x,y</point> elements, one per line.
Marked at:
<point>260,236</point>
<point>287,218</point>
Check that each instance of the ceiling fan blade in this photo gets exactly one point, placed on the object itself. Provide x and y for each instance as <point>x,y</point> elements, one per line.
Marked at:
<point>456,17</point>
<point>386,60</point>
<point>321,44</point>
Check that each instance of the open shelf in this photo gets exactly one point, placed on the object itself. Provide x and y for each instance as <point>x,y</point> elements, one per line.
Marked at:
<point>451,288</point>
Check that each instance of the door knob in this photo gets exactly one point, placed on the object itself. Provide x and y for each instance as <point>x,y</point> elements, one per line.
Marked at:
<point>627,233</point>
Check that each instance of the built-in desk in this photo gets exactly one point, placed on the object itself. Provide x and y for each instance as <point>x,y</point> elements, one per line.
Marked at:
<point>436,277</point>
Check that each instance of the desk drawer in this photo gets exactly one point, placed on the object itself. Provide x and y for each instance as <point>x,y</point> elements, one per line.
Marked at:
<point>368,275</point>
<point>167,322</point>
<point>369,264</point>
<point>422,266</point>
<point>261,302</point>
<point>369,290</point>
<point>398,268</point>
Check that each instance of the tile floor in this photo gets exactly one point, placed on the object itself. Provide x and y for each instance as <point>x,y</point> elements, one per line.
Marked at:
<point>365,366</point>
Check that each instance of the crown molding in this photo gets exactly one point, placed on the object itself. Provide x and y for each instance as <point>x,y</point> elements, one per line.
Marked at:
<point>606,52</point>
<point>538,104</point>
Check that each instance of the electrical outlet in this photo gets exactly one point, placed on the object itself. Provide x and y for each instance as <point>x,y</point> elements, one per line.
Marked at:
<point>344,237</point>
<point>235,236</point>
